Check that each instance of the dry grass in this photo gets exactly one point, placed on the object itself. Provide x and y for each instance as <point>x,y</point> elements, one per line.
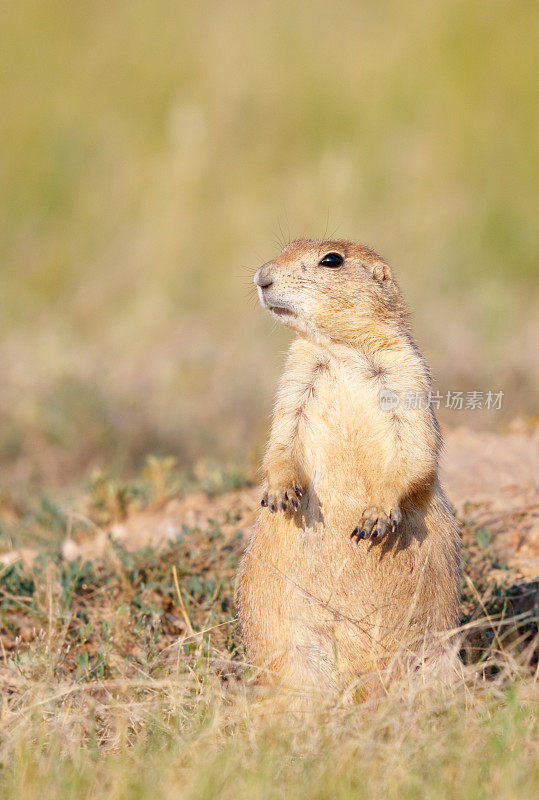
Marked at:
<point>190,737</point>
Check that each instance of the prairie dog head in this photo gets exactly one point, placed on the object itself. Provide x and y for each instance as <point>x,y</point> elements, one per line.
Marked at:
<point>331,289</point>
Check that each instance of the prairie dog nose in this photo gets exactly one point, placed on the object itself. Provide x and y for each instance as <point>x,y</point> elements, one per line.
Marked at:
<point>263,277</point>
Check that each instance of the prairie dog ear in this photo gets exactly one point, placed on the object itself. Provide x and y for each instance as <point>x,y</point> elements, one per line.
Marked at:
<point>381,272</point>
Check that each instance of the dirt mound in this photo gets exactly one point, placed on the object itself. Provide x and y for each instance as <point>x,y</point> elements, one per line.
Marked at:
<point>493,482</point>
<point>126,591</point>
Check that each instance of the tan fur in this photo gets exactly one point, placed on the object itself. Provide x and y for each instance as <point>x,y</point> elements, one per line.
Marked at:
<point>316,609</point>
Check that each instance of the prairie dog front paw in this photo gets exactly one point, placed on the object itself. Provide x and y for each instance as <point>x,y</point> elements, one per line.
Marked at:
<point>375,523</point>
<point>282,495</point>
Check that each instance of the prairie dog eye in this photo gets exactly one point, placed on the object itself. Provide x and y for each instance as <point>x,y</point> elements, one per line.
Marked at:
<point>331,260</point>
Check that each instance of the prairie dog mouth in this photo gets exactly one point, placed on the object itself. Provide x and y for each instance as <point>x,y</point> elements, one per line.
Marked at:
<point>277,306</point>
<point>281,311</point>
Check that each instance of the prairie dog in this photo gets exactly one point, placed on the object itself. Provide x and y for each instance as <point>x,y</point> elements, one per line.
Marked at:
<point>356,555</point>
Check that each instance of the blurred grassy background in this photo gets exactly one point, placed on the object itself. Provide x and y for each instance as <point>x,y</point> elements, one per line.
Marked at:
<point>152,154</point>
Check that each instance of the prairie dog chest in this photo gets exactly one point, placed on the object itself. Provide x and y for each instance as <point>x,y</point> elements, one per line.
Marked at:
<point>343,399</point>
<point>339,421</point>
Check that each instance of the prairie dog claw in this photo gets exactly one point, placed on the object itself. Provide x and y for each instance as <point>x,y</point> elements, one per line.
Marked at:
<point>375,524</point>
<point>283,499</point>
